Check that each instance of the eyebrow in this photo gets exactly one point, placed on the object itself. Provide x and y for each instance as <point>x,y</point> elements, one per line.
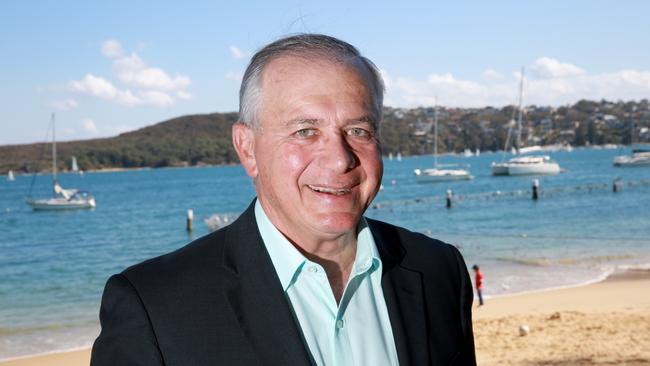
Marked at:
<point>365,119</point>
<point>302,121</point>
<point>315,121</point>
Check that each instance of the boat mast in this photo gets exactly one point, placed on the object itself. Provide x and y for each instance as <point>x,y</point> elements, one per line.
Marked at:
<point>519,111</point>
<point>435,134</point>
<point>53,153</point>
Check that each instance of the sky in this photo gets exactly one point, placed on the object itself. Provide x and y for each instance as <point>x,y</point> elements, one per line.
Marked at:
<point>107,67</point>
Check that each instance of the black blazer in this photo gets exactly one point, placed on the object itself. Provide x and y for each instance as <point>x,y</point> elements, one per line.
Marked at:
<point>218,301</point>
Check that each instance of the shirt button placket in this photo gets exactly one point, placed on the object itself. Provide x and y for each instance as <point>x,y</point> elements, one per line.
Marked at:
<point>339,324</point>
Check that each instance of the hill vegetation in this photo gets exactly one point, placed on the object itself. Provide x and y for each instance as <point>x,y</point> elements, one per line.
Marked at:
<point>205,139</point>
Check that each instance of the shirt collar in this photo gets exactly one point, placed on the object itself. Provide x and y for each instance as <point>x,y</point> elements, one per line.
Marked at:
<point>288,261</point>
<point>367,257</point>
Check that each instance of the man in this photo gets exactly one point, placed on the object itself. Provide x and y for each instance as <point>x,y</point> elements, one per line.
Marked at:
<point>478,283</point>
<point>301,278</point>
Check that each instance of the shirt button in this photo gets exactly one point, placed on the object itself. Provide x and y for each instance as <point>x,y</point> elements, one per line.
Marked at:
<point>339,324</point>
<point>312,269</point>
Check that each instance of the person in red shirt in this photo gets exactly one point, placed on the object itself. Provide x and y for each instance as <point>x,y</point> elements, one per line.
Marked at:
<point>478,282</point>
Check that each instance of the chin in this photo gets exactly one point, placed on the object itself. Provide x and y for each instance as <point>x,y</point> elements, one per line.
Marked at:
<point>337,223</point>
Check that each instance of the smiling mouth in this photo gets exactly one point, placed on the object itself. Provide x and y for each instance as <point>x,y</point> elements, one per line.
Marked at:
<point>334,191</point>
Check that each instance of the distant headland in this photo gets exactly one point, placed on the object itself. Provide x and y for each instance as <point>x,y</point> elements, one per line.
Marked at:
<point>204,139</point>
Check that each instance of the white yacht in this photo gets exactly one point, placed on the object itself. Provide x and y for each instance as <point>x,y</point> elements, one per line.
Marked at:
<point>63,199</point>
<point>639,157</point>
<point>436,174</point>
<point>525,164</point>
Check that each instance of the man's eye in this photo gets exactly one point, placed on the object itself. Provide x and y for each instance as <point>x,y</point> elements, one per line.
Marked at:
<point>305,132</point>
<point>359,132</point>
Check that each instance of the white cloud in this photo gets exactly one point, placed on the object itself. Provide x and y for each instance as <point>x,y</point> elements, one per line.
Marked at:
<point>141,84</point>
<point>89,125</point>
<point>112,48</point>
<point>96,86</point>
<point>568,85</point>
<point>64,105</point>
<point>548,68</point>
<point>448,81</point>
<point>182,94</point>
<point>625,85</point>
<point>491,74</point>
<point>131,70</point>
<point>237,53</point>
<point>104,89</point>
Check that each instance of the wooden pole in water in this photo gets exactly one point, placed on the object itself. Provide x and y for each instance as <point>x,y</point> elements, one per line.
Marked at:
<point>449,194</point>
<point>190,218</point>
<point>535,189</point>
<point>616,186</point>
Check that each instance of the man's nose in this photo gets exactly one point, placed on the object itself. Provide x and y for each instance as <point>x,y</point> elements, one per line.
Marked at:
<point>338,155</point>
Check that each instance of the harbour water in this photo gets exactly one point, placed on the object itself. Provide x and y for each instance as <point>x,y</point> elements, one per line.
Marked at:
<point>53,265</point>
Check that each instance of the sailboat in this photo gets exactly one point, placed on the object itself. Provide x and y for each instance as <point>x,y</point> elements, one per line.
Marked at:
<point>640,155</point>
<point>74,166</point>
<point>525,164</point>
<point>436,174</point>
<point>10,176</point>
<point>63,199</point>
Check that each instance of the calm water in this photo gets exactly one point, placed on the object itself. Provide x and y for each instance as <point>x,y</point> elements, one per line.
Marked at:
<point>53,265</point>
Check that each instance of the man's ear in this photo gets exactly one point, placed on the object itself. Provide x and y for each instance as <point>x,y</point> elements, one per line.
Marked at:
<point>243,139</point>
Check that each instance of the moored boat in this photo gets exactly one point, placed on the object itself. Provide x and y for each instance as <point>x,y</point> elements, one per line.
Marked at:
<point>639,157</point>
<point>527,165</point>
<point>63,199</point>
<point>435,174</point>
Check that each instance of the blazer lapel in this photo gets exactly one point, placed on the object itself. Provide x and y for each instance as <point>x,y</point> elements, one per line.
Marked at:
<point>403,292</point>
<point>257,297</point>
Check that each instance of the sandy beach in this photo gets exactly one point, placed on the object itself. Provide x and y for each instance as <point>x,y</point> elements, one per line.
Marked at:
<point>606,323</point>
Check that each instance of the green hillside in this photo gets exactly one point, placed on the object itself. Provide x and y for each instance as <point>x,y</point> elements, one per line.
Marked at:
<point>204,139</point>
<point>182,141</point>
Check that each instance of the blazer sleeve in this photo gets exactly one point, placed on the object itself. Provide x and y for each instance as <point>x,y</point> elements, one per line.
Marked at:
<point>467,355</point>
<point>127,337</point>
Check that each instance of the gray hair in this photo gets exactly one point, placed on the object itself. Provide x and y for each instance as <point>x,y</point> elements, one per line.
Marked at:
<point>304,45</point>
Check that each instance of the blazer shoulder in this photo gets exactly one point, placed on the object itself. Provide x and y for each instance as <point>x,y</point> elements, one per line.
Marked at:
<point>187,267</point>
<point>415,250</point>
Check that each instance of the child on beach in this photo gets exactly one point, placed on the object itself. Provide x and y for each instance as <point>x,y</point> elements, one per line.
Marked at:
<point>478,282</point>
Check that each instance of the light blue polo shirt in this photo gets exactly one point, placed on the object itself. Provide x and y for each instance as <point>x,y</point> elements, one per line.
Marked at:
<point>355,332</point>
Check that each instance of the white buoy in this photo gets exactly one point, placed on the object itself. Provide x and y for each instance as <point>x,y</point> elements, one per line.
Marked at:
<point>190,218</point>
<point>524,330</point>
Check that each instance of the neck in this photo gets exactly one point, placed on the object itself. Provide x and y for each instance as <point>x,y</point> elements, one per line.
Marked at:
<point>336,257</point>
<point>334,252</point>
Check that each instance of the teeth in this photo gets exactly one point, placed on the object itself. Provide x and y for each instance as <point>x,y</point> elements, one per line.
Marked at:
<point>335,191</point>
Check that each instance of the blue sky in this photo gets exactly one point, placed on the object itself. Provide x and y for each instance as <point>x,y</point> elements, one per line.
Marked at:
<point>109,67</point>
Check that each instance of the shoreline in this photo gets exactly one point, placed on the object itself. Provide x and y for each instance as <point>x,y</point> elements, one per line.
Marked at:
<point>543,299</point>
<point>605,276</point>
<point>622,293</point>
<point>605,323</point>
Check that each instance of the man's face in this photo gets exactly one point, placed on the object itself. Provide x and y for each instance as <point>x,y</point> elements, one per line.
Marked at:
<point>316,158</point>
